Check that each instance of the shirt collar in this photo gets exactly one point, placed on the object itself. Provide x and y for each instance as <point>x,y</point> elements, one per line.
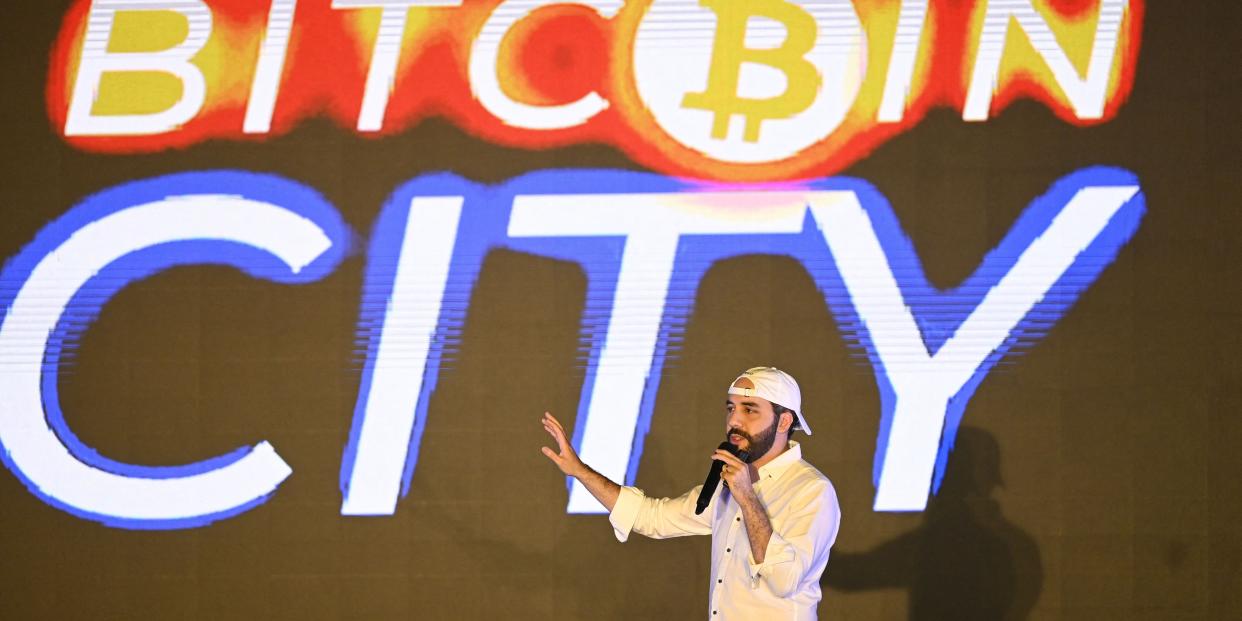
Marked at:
<point>775,468</point>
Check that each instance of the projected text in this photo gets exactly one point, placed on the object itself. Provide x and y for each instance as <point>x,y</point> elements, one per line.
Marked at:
<point>644,242</point>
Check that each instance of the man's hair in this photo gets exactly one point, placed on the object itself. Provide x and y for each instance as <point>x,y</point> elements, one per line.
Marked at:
<point>780,409</point>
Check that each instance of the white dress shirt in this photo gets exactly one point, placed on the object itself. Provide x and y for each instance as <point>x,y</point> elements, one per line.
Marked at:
<point>802,507</point>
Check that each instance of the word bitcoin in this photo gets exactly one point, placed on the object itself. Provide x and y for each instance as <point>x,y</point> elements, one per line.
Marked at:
<point>763,89</point>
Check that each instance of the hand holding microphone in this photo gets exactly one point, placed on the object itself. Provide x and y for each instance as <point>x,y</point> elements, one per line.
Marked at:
<point>726,456</point>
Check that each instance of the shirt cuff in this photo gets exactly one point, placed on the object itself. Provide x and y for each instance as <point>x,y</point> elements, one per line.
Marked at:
<point>625,512</point>
<point>778,551</point>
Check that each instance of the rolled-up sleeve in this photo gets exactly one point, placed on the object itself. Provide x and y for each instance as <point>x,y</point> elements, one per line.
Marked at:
<point>800,541</point>
<point>658,518</point>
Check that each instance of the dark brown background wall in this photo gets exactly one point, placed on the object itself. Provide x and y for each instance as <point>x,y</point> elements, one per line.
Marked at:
<point>1096,478</point>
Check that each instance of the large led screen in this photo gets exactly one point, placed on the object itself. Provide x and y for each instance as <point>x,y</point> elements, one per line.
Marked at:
<point>288,284</point>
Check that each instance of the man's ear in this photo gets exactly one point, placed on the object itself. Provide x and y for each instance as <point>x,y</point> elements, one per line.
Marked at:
<point>786,422</point>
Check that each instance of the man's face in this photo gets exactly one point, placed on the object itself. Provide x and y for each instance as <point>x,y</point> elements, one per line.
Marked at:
<point>750,423</point>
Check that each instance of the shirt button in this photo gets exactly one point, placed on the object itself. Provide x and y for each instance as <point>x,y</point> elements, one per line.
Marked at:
<point>719,581</point>
<point>739,519</point>
<point>728,549</point>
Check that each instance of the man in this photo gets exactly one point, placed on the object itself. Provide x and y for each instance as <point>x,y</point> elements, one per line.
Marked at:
<point>773,521</point>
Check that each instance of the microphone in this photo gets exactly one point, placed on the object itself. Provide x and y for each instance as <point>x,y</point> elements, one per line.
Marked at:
<point>713,476</point>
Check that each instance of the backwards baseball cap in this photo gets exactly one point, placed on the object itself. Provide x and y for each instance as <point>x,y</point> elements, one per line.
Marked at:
<point>776,386</point>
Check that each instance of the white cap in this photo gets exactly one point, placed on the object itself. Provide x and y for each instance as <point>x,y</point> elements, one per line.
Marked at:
<point>776,386</point>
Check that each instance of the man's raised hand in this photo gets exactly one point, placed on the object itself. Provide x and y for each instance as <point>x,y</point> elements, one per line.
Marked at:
<point>564,457</point>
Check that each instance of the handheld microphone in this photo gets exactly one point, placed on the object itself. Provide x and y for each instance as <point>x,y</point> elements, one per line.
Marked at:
<point>713,476</point>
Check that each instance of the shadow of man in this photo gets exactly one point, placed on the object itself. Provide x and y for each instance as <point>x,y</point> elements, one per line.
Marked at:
<point>966,561</point>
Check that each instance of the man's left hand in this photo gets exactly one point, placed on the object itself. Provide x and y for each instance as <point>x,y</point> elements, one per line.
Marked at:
<point>738,475</point>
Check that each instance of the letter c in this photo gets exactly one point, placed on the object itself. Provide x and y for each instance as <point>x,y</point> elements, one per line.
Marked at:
<point>267,226</point>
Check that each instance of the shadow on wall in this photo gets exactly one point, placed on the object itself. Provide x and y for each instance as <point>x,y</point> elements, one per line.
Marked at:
<point>966,561</point>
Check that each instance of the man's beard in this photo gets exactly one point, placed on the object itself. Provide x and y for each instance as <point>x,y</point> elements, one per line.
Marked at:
<point>757,446</point>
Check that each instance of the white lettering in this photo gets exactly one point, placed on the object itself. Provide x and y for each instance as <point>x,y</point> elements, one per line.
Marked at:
<point>652,225</point>
<point>383,438</point>
<point>97,60</point>
<point>910,26</point>
<point>269,68</point>
<point>382,76</point>
<point>485,83</point>
<point>34,448</point>
<point>924,383</point>
<point>1085,95</point>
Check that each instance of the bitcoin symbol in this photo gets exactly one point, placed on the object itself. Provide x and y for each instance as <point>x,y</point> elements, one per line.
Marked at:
<point>729,53</point>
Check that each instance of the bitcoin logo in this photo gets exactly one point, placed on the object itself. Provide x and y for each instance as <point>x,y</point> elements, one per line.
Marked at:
<point>729,52</point>
<point>749,81</point>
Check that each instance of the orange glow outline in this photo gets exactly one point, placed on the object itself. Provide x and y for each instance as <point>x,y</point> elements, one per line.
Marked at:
<point>432,81</point>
